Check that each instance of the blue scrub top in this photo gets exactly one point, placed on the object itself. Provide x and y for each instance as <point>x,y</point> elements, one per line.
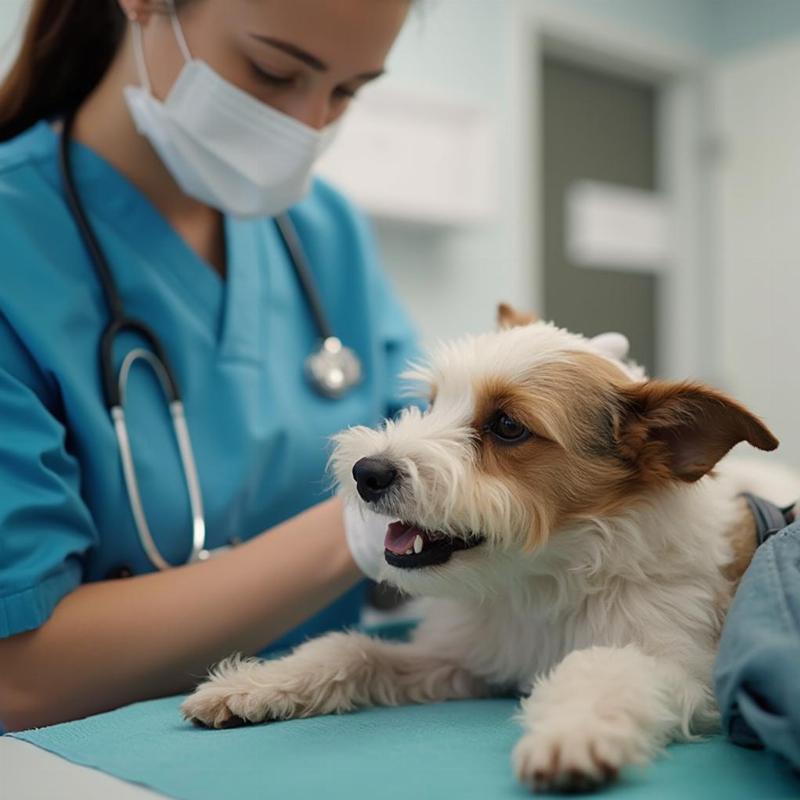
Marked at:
<point>237,346</point>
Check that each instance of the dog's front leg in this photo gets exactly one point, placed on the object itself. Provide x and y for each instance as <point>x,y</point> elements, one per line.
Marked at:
<point>335,673</point>
<point>599,710</point>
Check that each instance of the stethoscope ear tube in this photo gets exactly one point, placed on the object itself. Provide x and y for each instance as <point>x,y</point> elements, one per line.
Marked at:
<point>333,369</point>
<point>297,256</point>
<point>102,269</point>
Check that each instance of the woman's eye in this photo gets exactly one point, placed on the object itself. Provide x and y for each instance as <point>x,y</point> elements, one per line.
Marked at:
<point>271,78</point>
<point>508,430</point>
<point>344,92</point>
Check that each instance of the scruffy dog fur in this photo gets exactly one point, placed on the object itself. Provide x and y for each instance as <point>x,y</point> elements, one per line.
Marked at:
<point>562,512</point>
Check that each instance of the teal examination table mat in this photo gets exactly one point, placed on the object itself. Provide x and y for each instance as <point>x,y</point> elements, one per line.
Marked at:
<point>458,749</point>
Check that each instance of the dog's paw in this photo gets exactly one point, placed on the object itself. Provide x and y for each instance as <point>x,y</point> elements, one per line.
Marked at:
<point>242,691</point>
<point>210,706</point>
<point>575,760</point>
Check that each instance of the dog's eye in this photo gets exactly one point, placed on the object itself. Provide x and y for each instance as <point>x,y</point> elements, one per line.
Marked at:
<point>508,430</point>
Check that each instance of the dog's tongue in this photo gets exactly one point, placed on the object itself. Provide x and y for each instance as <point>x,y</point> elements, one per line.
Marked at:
<point>400,537</point>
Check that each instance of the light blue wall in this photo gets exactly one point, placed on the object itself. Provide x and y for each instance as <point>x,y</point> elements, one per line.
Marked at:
<point>684,21</point>
<point>719,27</point>
<point>736,25</point>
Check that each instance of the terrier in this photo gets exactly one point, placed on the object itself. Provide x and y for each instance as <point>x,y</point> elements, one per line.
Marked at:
<point>565,516</point>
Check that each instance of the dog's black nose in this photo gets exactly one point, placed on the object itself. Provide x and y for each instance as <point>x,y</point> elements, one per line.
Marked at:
<point>373,477</point>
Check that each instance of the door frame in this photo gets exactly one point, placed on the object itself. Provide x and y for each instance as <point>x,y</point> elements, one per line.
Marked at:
<point>684,326</point>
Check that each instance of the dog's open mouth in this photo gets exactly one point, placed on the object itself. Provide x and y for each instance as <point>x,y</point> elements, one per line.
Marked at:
<point>409,547</point>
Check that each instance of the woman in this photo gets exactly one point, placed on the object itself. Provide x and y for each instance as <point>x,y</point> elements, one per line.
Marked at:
<point>185,219</point>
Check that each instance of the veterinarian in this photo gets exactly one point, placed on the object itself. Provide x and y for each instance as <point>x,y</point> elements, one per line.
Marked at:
<point>149,152</point>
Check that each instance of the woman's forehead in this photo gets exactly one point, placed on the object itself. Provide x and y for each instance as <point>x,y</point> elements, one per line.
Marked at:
<point>340,35</point>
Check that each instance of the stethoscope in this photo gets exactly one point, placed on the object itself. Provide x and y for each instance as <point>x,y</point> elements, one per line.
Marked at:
<point>332,370</point>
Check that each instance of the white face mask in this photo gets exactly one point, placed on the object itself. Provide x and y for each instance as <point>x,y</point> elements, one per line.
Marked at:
<point>221,145</point>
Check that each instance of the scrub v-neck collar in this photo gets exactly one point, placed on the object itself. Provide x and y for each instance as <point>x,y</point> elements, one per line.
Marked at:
<point>228,308</point>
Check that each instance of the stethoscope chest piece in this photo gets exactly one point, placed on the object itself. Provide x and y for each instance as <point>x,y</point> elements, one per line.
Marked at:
<point>333,369</point>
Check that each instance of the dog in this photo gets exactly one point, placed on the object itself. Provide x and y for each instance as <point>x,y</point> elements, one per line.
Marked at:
<point>580,546</point>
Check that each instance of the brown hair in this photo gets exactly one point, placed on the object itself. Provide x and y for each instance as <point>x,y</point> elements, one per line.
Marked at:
<point>66,49</point>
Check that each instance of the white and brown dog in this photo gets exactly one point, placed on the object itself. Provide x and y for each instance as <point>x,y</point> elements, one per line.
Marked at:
<point>560,510</point>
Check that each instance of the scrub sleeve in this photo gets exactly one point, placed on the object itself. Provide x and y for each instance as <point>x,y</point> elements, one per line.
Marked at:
<point>45,527</point>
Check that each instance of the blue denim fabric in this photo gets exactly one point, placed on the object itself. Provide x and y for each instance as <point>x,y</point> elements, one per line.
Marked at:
<point>757,674</point>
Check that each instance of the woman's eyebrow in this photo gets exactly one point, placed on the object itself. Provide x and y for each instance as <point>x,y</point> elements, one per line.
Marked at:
<point>306,57</point>
<point>293,50</point>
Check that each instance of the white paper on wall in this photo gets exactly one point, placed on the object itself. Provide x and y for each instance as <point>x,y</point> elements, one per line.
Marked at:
<point>616,227</point>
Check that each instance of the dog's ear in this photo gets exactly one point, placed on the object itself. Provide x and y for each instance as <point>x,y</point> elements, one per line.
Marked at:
<point>509,317</point>
<point>612,344</point>
<point>681,430</point>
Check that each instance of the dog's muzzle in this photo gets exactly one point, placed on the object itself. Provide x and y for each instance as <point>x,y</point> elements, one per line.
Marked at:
<point>406,546</point>
<point>374,477</point>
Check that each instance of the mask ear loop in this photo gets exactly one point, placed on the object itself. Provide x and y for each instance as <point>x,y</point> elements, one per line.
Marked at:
<point>138,55</point>
<point>138,46</point>
<point>178,31</point>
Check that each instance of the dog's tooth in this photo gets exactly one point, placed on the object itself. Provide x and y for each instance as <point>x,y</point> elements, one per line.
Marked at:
<point>418,544</point>
<point>409,551</point>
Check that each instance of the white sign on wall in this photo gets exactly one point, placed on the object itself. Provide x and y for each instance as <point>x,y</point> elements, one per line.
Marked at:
<point>411,157</point>
<point>612,226</point>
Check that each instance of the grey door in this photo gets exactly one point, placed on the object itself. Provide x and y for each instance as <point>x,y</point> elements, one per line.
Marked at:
<point>598,127</point>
